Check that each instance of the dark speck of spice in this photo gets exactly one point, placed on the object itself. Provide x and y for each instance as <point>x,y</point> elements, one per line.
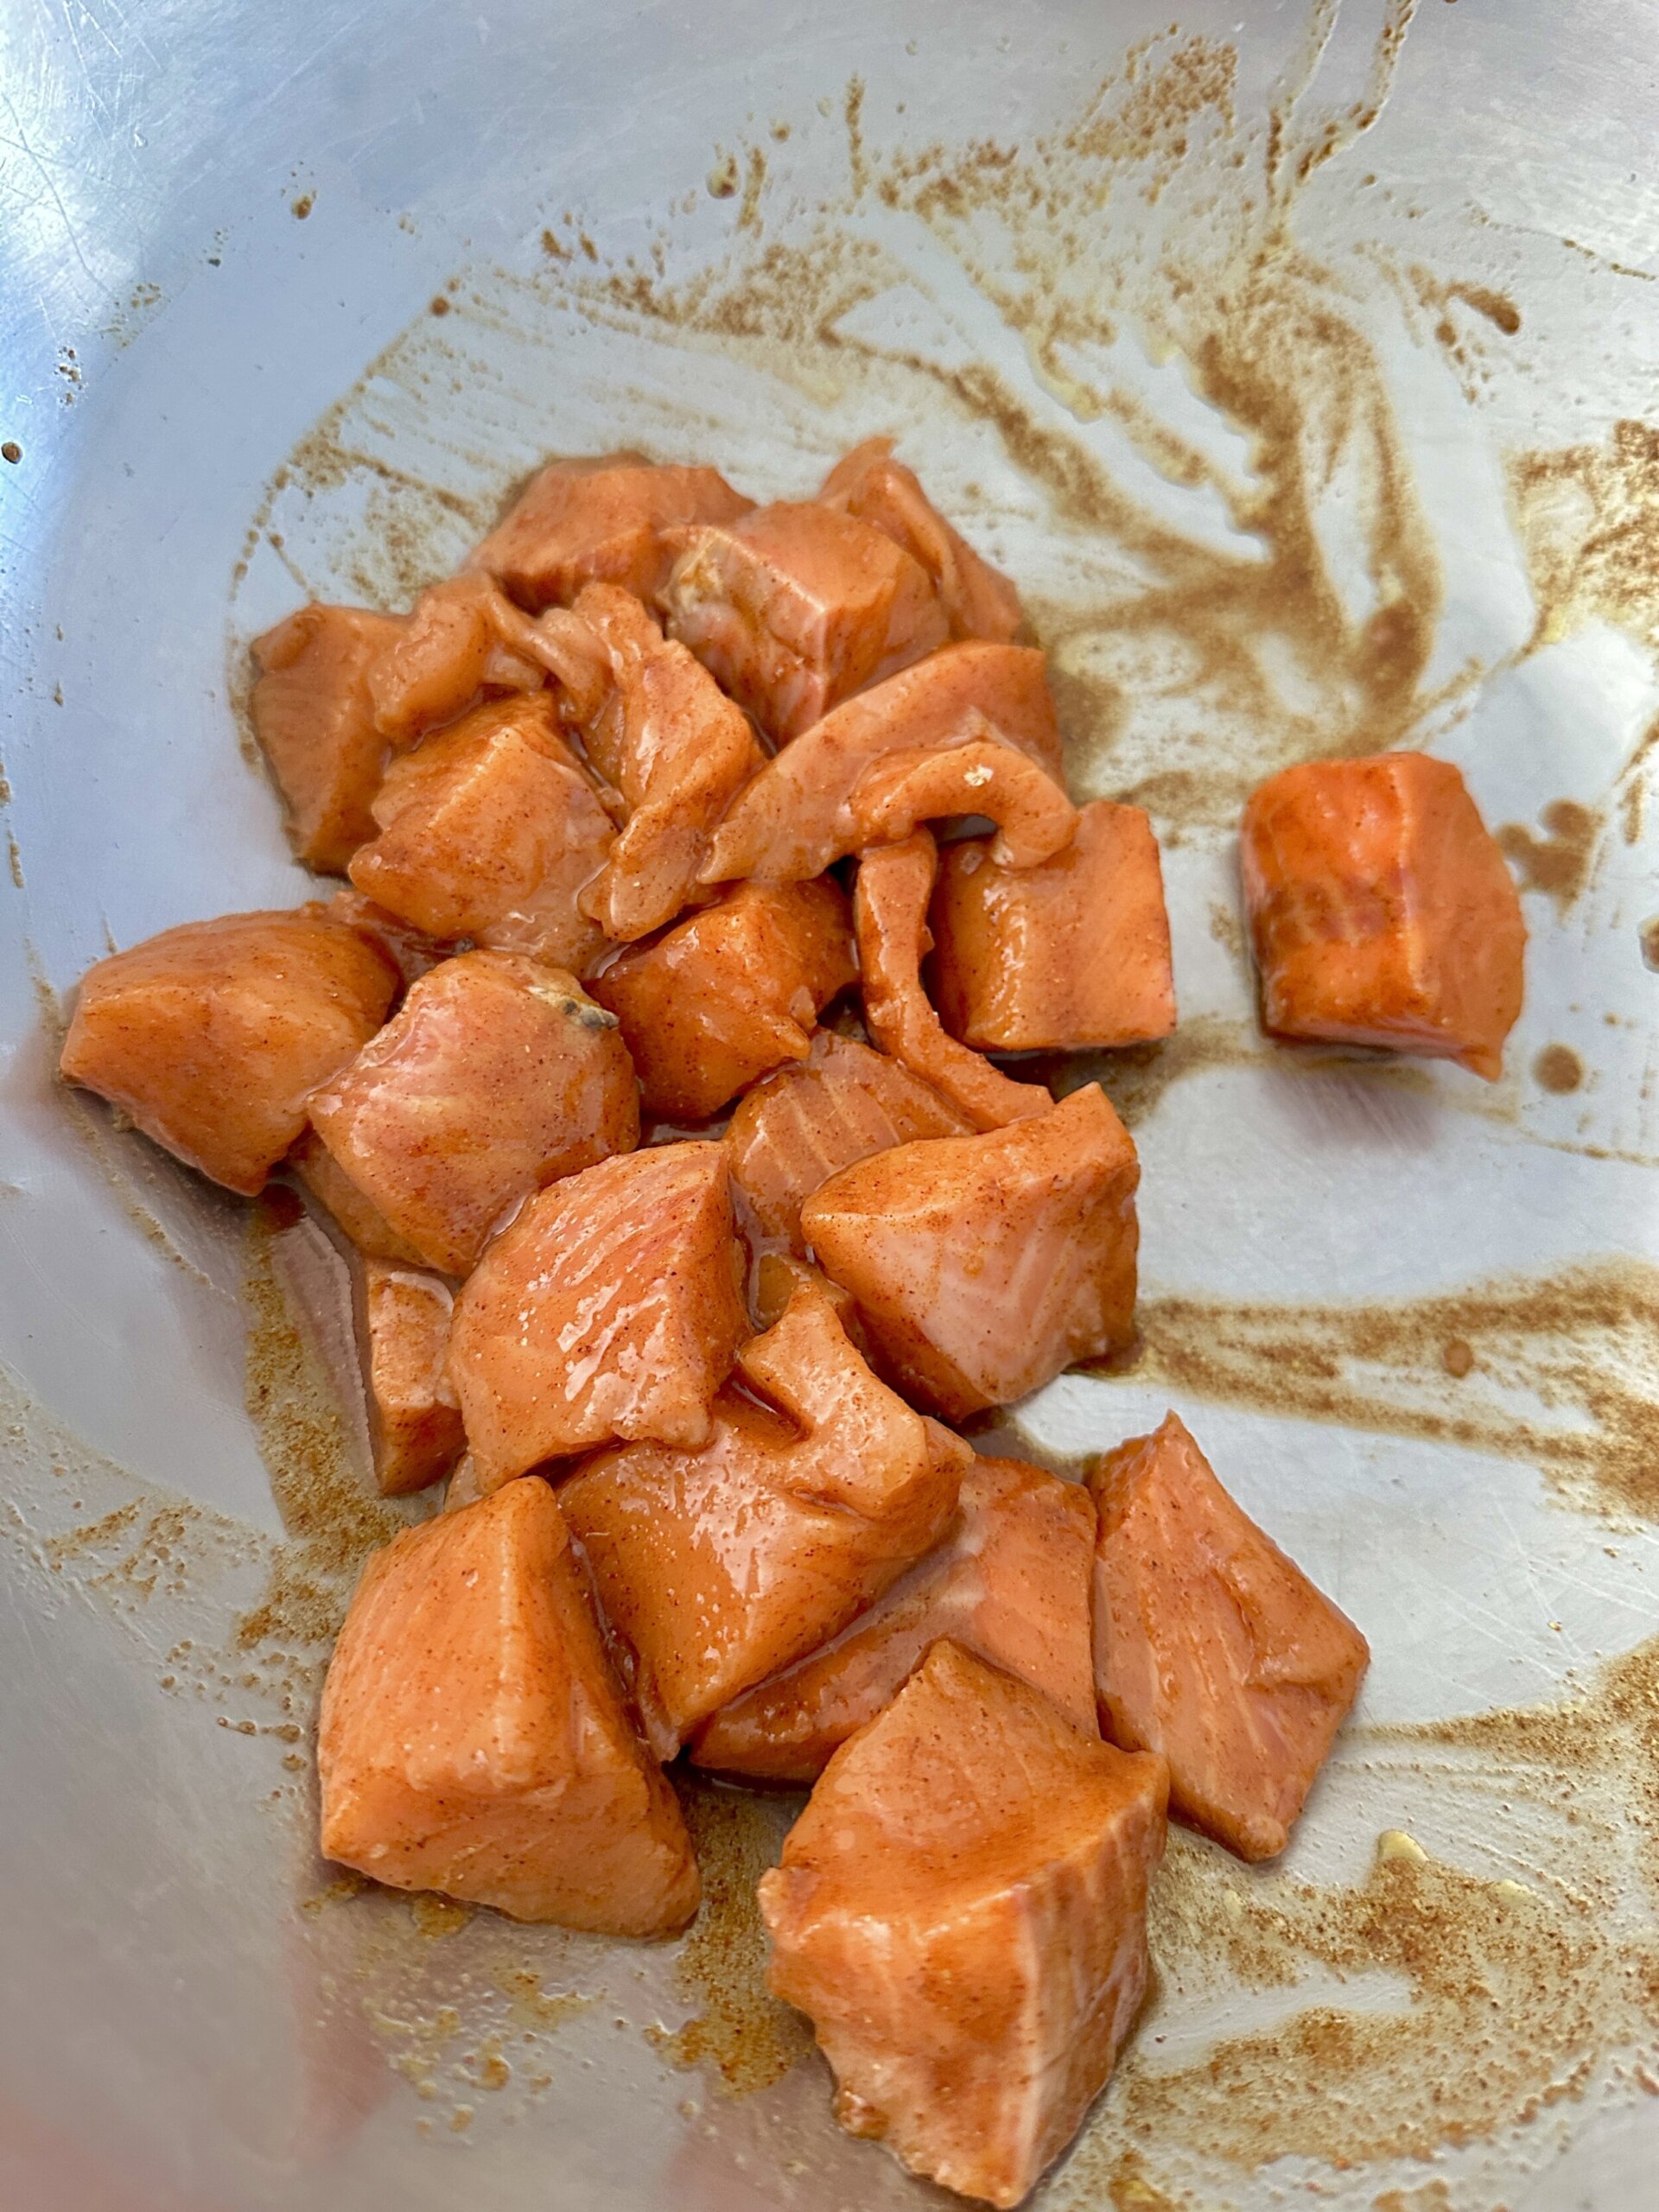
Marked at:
<point>11,451</point>
<point>303,206</point>
<point>1458,1357</point>
<point>1558,1069</point>
<point>1649,937</point>
<point>440,305</point>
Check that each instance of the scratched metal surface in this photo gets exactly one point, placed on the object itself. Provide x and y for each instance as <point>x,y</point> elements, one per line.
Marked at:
<point>178,2031</point>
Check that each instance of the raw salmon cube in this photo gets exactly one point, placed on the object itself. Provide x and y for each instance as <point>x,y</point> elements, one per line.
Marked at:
<point>890,907</point>
<point>1012,1583</point>
<point>1212,1647</point>
<point>579,521</point>
<point>1071,953</point>
<point>609,1311</point>
<point>357,1218</point>
<point>979,601</point>
<point>496,1075</point>
<point>796,816</point>
<point>315,719</point>
<point>490,830</point>
<point>414,1420</point>
<point>211,1037</point>
<point>472,1739</point>
<point>730,993</point>
<point>960,1911</point>
<point>450,652</point>
<point>1382,911</point>
<point>717,1566</point>
<point>983,1265</point>
<point>796,606</point>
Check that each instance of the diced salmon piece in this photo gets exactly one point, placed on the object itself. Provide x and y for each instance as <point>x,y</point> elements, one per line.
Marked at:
<point>715,1567</point>
<point>730,993</point>
<point>414,1420</point>
<point>983,1265</point>
<point>582,522</point>
<point>796,606</point>
<point>449,652</point>
<point>1073,952</point>
<point>667,739</point>
<point>211,1037</point>
<point>890,903</point>
<point>357,1218</point>
<point>1034,818</point>
<point>472,1738</point>
<point>795,817</point>
<point>960,1911</point>
<point>496,1075</point>
<point>1382,911</point>
<point>774,1278</point>
<point>315,719</point>
<point>979,600</point>
<point>799,1126</point>
<point>410,951</point>
<point>609,1311</point>
<point>491,831</point>
<point>1011,1583</point>
<point>1212,1647</point>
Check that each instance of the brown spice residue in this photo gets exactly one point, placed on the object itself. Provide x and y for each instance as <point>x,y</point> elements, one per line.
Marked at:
<point>1589,519</point>
<point>1650,941</point>
<point>1558,1070</point>
<point>1558,863</point>
<point>1135,1076</point>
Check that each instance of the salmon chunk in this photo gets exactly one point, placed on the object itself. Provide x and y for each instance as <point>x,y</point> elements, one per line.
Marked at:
<point>600,521</point>
<point>314,719</point>
<point>666,738</point>
<point>1071,953</point>
<point>796,816</point>
<point>211,1037</point>
<point>1382,911</point>
<point>472,1739</point>
<point>1034,818</point>
<point>960,1911</point>
<point>609,1311</point>
<point>890,903</point>
<point>490,830</point>
<point>1212,1647</point>
<point>410,951</point>
<point>717,1566</point>
<point>414,1421</point>
<point>978,600</point>
<point>1011,1583</point>
<point>358,1219</point>
<point>496,1075</point>
<point>797,607</point>
<point>730,993</point>
<point>983,1265</point>
<point>444,658</point>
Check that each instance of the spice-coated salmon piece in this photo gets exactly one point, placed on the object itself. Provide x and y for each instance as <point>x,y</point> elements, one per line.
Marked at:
<point>315,719</point>
<point>1212,1647</point>
<point>450,652</point>
<point>716,1567</point>
<point>1012,1582</point>
<point>960,1911</point>
<point>1382,911</point>
<point>774,1278</point>
<point>609,1311</point>
<point>357,1218</point>
<point>211,1037</point>
<point>1073,952</point>
<point>472,1738</point>
<point>983,1265</point>
<point>1034,818</point>
<point>414,1421</point>
<point>797,817</point>
<point>978,600</point>
<point>890,907</point>
<point>730,993</point>
<point>490,830</point>
<point>602,520</point>
<point>797,607</point>
<point>497,1075</point>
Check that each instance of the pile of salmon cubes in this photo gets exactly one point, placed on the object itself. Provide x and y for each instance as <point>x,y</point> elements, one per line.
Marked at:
<point>643,1072</point>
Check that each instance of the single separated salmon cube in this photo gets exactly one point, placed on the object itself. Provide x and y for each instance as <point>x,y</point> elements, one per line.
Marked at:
<point>314,717</point>
<point>960,1911</point>
<point>1012,1582</point>
<point>414,1420</point>
<point>1071,953</point>
<point>472,1738</point>
<point>609,1311</point>
<point>717,1566</point>
<point>581,521</point>
<point>869,483</point>
<point>496,1075</point>
<point>211,1037</point>
<point>1212,1647</point>
<point>1382,911</point>
<point>730,993</point>
<point>796,606</point>
<point>983,1265</point>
